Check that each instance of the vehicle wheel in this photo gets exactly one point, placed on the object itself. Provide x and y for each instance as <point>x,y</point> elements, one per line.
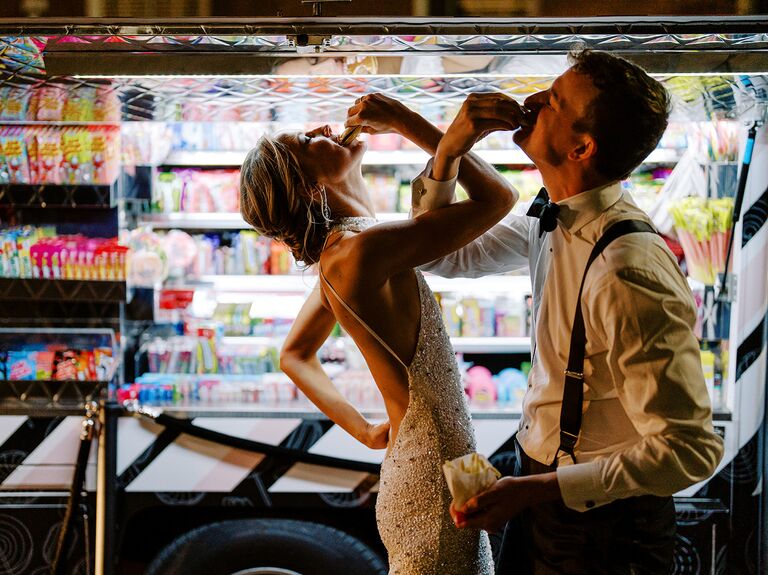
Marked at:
<point>266,547</point>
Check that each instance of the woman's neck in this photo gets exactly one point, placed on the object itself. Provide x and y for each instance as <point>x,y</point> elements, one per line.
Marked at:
<point>350,199</point>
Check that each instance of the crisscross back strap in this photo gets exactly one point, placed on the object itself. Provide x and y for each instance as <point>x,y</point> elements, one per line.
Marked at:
<point>358,318</point>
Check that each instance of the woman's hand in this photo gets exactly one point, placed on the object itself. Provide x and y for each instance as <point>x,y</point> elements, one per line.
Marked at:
<point>378,114</point>
<point>377,435</point>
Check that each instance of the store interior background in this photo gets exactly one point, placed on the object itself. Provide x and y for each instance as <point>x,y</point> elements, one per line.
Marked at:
<point>301,8</point>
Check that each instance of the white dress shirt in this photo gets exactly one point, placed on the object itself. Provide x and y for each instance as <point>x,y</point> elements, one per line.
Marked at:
<point>647,416</point>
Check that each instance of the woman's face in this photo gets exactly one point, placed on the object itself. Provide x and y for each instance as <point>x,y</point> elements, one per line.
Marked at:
<point>321,157</point>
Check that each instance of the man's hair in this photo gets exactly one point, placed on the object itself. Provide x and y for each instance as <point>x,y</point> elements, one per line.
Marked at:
<point>628,116</point>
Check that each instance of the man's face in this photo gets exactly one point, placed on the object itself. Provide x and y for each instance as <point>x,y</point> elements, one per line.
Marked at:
<point>551,137</point>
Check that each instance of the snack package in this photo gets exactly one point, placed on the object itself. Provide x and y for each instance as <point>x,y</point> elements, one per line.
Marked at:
<point>65,363</point>
<point>49,155</point>
<point>45,364</point>
<point>50,104</point>
<point>32,156</point>
<point>16,104</point>
<point>469,475</point>
<point>15,151</point>
<point>103,360</point>
<point>22,365</point>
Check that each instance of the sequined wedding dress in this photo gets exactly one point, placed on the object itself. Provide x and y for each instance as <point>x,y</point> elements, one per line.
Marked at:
<point>413,500</point>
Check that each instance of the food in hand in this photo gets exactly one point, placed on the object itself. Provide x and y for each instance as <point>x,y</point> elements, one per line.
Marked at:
<point>349,135</point>
<point>468,476</point>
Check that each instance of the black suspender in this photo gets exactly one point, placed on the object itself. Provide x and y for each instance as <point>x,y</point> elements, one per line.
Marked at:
<point>573,390</point>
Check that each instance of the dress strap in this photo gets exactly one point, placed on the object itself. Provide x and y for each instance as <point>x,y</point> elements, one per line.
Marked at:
<point>358,318</point>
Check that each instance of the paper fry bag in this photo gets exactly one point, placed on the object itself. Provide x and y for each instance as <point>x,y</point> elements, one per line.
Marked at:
<point>467,476</point>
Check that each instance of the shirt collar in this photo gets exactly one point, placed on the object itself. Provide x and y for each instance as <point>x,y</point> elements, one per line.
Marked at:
<point>581,209</point>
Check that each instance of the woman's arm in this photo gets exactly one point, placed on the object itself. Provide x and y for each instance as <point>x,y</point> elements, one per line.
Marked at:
<point>402,245</point>
<point>298,359</point>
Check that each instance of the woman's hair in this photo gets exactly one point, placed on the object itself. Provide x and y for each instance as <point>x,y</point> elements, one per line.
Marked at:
<point>279,202</point>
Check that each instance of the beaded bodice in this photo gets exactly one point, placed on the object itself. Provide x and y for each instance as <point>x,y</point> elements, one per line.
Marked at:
<point>352,224</point>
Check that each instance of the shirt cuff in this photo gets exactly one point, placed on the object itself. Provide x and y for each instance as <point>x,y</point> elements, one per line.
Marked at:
<point>428,194</point>
<point>580,486</point>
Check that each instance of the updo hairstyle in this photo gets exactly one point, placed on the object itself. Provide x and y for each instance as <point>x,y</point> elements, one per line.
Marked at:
<point>279,202</point>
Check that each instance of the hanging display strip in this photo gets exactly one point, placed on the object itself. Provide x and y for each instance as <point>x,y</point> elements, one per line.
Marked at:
<point>328,64</point>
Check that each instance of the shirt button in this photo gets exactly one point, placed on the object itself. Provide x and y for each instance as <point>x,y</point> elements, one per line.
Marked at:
<point>589,504</point>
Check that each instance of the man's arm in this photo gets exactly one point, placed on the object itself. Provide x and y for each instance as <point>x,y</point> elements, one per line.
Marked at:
<point>645,319</point>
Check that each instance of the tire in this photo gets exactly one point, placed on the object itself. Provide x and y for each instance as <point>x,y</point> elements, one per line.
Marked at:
<point>266,547</point>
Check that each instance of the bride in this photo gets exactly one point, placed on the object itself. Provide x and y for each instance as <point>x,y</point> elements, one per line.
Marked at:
<point>307,190</point>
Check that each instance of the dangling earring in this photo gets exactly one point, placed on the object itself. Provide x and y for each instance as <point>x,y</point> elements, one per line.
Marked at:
<point>325,209</point>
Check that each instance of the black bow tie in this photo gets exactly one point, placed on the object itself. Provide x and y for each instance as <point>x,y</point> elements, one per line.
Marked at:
<point>545,210</point>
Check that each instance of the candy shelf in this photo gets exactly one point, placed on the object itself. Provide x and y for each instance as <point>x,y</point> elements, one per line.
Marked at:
<point>59,195</point>
<point>21,395</point>
<point>26,289</point>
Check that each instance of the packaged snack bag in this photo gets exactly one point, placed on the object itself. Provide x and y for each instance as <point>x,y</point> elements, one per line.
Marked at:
<point>32,156</point>
<point>79,105</point>
<point>71,150</point>
<point>103,362</point>
<point>50,104</point>
<point>86,157</point>
<point>16,104</point>
<point>15,152</point>
<point>50,157</point>
<point>3,98</point>
<point>99,156</point>
<point>65,365</point>
<point>45,364</point>
<point>5,176</point>
<point>106,106</point>
<point>85,366</point>
<point>22,365</point>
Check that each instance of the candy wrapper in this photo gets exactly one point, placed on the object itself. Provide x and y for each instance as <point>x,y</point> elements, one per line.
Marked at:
<point>469,475</point>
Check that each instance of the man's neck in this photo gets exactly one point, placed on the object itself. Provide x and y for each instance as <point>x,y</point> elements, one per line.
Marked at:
<point>563,184</point>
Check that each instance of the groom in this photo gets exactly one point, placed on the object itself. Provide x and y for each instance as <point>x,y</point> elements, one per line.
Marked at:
<point>603,504</point>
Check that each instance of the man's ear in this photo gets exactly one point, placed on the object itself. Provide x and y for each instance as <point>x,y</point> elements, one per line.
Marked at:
<point>584,150</point>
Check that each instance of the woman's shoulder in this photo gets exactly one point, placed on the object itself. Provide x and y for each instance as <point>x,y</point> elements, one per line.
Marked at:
<point>342,258</point>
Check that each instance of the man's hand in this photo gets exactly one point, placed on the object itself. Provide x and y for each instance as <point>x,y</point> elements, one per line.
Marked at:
<point>491,509</point>
<point>377,114</point>
<point>480,114</point>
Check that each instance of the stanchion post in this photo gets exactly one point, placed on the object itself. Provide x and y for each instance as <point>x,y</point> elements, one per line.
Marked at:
<point>106,489</point>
